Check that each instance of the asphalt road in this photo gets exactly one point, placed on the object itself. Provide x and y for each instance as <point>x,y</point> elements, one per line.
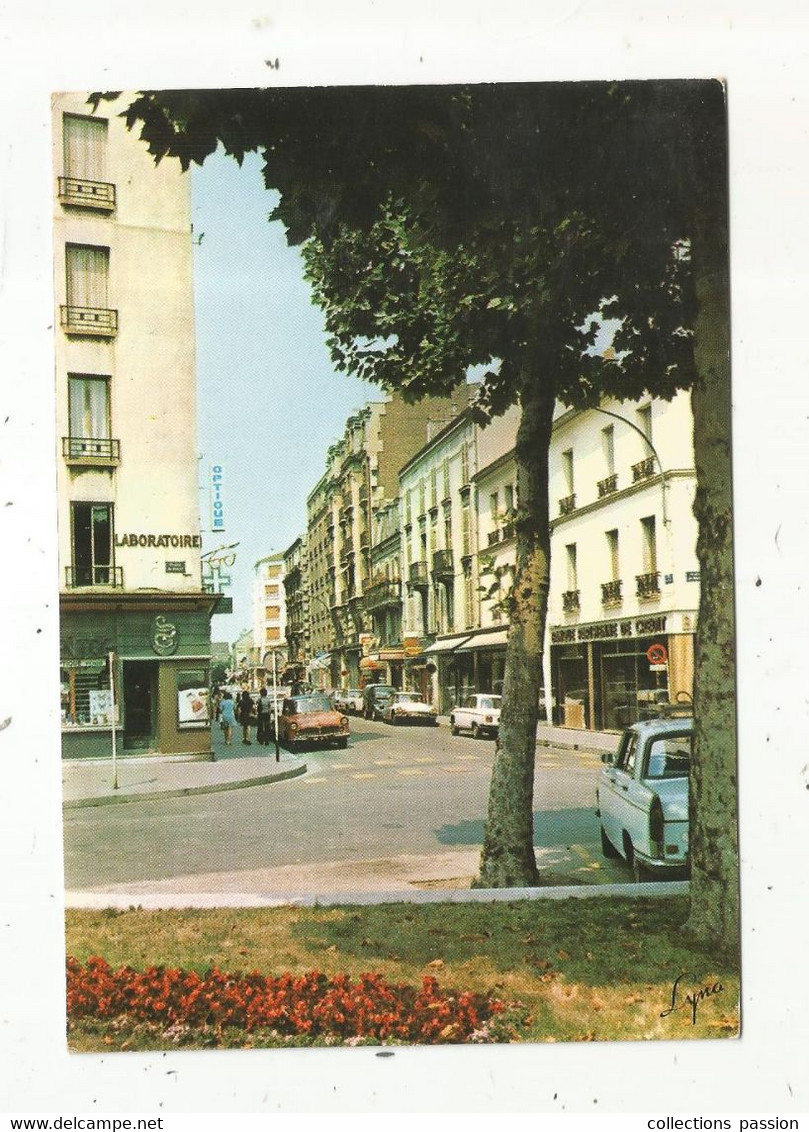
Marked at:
<point>401,807</point>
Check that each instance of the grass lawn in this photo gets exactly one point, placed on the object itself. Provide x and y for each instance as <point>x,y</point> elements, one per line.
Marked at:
<point>575,970</point>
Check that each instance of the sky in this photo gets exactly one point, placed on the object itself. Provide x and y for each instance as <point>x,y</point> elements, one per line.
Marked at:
<point>269,401</point>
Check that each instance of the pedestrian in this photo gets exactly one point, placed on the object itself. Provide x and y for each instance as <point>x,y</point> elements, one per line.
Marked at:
<point>227,716</point>
<point>245,714</point>
<point>265,708</point>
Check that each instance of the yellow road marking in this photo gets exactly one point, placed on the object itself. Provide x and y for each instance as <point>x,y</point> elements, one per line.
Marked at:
<point>424,760</point>
<point>363,776</point>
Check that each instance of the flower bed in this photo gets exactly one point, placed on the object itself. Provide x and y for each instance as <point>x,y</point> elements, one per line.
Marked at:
<point>311,1005</point>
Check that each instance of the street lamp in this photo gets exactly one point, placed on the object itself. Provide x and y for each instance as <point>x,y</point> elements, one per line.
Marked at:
<point>272,652</point>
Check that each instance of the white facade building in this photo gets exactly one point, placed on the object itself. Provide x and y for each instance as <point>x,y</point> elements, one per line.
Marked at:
<point>269,613</point>
<point>129,528</point>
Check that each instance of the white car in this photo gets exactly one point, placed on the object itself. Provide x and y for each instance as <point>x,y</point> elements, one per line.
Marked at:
<point>478,713</point>
<point>348,699</point>
<point>642,797</point>
<point>407,707</point>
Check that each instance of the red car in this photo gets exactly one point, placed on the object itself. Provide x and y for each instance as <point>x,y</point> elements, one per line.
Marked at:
<point>310,719</point>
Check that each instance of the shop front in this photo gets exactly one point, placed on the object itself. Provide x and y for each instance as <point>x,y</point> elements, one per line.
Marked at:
<point>481,661</point>
<point>449,681</point>
<point>610,674</point>
<point>140,664</point>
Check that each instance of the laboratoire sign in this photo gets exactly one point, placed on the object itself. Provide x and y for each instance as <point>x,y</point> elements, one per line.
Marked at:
<point>174,541</point>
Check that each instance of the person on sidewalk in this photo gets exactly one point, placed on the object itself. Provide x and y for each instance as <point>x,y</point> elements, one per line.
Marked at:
<point>227,716</point>
<point>265,707</point>
<point>245,714</point>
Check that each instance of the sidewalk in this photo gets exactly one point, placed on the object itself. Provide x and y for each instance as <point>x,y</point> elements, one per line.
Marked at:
<point>89,782</point>
<point>575,739</point>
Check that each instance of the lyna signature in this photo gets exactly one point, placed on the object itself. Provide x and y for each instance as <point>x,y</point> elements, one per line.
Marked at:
<point>691,999</point>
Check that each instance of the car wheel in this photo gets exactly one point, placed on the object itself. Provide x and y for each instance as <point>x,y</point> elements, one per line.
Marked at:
<point>607,847</point>
<point>342,743</point>
<point>475,731</point>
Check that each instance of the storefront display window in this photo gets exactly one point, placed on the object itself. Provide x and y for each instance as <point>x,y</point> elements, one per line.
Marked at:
<point>86,697</point>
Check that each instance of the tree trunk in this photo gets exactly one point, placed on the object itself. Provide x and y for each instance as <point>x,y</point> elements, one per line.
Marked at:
<point>713,806</point>
<point>508,857</point>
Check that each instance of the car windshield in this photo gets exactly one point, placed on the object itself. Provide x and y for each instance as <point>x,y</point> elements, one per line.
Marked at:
<point>302,704</point>
<point>670,756</point>
<point>407,698</point>
<point>491,703</point>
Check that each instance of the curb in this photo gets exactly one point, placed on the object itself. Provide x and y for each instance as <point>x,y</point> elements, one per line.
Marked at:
<point>186,791</point>
<point>178,900</point>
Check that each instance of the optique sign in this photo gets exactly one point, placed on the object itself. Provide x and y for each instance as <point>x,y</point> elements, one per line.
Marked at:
<point>217,504</point>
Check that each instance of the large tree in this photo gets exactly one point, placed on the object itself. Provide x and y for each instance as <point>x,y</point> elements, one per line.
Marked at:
<point>445,227</point>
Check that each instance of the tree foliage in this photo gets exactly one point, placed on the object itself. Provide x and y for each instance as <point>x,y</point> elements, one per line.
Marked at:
<point>445,227</point>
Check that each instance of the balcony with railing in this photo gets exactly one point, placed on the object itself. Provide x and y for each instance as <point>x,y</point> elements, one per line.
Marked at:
<point>77,577</point>
<point>611,592</point>
<point>417,575</point>
<point>643,469</point>
<point>571,602</point>
<point>384,593</point>
<point>96,195</point>
<point>648,584</point>
<point>443,566</point>
<point>92,322</point>
<point>93,451</point>
<point>567,504</point>
<point>608,486</point>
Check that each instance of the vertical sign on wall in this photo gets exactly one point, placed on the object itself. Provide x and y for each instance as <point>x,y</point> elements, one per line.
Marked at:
<point>217,503</point>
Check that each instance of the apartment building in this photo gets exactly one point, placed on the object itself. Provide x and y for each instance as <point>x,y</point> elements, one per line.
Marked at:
<point>439,607</point>
<point>135,623</point>
<point>269,616</point>
<point>296,589</point>
<point>624,577</point>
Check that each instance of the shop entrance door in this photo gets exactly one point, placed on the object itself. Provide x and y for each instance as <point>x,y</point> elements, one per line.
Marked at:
<point>140,702</point>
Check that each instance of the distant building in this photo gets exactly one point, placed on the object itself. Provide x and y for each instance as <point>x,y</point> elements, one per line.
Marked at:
<point>269,616</point>
<point>129,528</point>
<point>296,587</point>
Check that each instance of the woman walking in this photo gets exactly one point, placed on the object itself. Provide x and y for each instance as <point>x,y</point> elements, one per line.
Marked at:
<point>227,715</point>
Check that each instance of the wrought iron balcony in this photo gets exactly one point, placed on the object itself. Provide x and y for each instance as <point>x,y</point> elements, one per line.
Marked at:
<point>643,469</point>
<point>98,195</point>
<point>418,575</point>
<point>91,450</point>
<point>80,576</point>
<point>648,584</point>
<point>570,601</point>
<point>611,592</point>
<point>608,486</point>
<point>95,322</point>
<point>567,504</point>
<point>384,593</point>
<point>443,566</point>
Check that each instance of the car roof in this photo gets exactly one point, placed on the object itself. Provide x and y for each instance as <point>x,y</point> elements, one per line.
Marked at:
<point>645,727</point>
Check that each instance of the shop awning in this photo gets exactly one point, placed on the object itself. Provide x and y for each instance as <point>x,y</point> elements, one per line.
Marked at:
<point>447,645</point>
<point>485,639</point>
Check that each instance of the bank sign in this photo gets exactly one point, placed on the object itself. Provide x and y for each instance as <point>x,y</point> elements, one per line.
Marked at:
<point>217,503</point>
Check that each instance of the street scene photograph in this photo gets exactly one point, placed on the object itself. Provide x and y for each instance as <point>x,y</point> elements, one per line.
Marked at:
<point>397,648</point>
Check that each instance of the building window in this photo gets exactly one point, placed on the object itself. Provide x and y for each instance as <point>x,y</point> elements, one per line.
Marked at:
<point>608,448</point>
<point>92,545</point>
<point>87,270</point>
<point>84,147</point>
<point>86,697</point>
<point>572,570</point>
<point>649,533</point>
<point>84,155</point>
<point>271,592</point>
<point>89,415</point>
<point>447,527</point>
<point>508,492</point>
<point>272,612</point>
<point>567,471</point>
<point>612,554</point>
<point>645,421</point>
<point>272,633</point>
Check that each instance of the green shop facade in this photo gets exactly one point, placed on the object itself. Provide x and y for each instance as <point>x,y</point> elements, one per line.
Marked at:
<point>138,662</point>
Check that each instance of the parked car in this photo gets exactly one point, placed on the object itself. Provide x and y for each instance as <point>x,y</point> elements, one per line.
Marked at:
<point>348,700</point>
<point>408,707</point>
<point>375,699</point>
<point>642,797</point>
<point>311,719</point>
<point>478,713</point>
